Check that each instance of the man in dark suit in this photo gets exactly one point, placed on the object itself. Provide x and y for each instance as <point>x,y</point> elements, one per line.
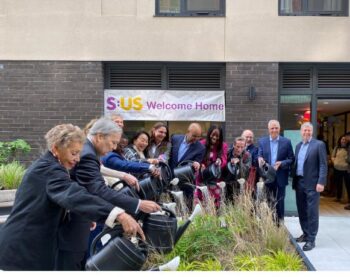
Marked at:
<point>310,177</point>
<point>278,152</point>
<point>187,148</point>
<point>102,138</point>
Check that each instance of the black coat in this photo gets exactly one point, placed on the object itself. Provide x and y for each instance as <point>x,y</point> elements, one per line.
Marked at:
<point>87,174</point>
<point>28,239</point>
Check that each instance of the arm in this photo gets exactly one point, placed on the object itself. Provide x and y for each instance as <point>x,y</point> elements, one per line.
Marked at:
<point>322,156</point>
<point>114,161</point>
<point>224,155</point>
<point>166,154</point>
<point>286,164</point>
<point>131,180</point>
<point>87,174</point>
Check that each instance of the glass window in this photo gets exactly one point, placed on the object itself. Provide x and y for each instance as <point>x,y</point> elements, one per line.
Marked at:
<point>190,7</point>
<point>314,7</point>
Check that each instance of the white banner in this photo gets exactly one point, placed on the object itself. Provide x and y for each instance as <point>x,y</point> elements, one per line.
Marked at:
<point>166,105</point>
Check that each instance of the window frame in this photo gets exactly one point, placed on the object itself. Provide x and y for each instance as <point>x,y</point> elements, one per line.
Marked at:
<point>186,13</point>
<point>305,12</point>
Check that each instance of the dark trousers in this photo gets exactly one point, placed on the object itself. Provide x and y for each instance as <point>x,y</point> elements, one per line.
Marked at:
<point>339,177</point>
<point>275,197</point>
<point>69,261</point>
<point>308,202</point>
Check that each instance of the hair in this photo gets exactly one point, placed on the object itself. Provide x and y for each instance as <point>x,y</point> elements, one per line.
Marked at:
<point>120,148</point>
<point>238,139</point>
<point>273,121</point>
<point>136,136</point>
<point>89,125</point>
<point>307,124</point>
<point>339,141</point>
<point>104,126</point>
<point>156,127</point>
<point>112,116</point>
<point>63,135</point>
<point>208,140</point>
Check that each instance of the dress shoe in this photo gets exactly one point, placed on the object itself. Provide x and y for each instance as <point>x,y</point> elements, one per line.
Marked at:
<point>302,238</point>
<point>309,246</point>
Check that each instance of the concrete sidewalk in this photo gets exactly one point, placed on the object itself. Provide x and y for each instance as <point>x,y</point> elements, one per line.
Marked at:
<point>332,251</point>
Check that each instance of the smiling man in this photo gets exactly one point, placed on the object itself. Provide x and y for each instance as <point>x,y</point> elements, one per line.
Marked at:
<point>278,152</point>
<point>310,176</point>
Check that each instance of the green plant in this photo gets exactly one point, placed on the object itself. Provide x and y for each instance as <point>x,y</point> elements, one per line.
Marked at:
<point>280,260</point>
<point>11,175</point>
<point>10,150</point>
<point>207,265</point>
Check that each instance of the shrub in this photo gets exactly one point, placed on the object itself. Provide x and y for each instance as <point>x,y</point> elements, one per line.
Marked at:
<point>10,150</point>
<point>11,175</point>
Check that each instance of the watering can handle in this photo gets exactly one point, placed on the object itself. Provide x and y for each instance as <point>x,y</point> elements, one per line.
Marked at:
<point>185,162</point>
<point>105,231</point>
<point>169,211</point>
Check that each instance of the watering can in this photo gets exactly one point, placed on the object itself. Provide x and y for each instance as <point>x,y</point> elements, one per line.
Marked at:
<point>120,253</point>
<point>210,174</point>
<point>161,230</point>
<point>268,173</point>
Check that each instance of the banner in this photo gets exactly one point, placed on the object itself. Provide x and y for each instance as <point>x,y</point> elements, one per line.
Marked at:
<point>166,105</point>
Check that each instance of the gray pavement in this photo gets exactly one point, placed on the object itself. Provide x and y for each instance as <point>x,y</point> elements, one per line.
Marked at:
<point>332,251</point>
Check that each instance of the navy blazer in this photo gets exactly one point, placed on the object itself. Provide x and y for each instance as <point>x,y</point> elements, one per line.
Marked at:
<point>284,154</point>
<point>315,164</point>
<point>74,234</point>
<point>28,239</point>
<point>195,151</point>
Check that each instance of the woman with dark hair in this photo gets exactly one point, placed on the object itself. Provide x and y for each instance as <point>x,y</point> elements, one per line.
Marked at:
<point>339,159</point>
<point>215,152</point>
<point>137,150</point>
<point>159,146</point>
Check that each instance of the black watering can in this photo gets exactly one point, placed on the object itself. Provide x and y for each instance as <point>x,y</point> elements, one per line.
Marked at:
<point>120,253</point>
<point>185,173</point>
<point>268,173</point>
<point>161,229</point>
<point>211,173</point>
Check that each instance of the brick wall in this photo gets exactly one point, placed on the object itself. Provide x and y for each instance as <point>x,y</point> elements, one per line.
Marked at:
<point>35,96</point>
<point>241,113</point>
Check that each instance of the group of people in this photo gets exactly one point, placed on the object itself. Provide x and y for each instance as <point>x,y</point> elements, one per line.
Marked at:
<point>63,194</point>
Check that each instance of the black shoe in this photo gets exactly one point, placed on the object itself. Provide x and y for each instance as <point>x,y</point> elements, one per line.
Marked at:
<point>309,246</point>
<point>302,238</point>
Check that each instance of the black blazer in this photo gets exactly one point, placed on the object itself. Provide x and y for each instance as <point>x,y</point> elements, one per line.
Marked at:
<point>74,234</point>
<point>28,239</point>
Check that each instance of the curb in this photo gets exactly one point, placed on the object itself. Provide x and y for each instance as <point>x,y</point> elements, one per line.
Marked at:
<point>301,253</point>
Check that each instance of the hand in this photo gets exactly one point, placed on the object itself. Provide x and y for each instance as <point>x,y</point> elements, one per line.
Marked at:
<point>202,166</point>
<point>277,165</point>
<point>261,161</point>
<point>132,181</point>
<point>218,162</point>
<point>93,226</point>
<point>130,226</point>
<point>153,161</point>
<point>147,206</point>
<point>235,160</point>
<point>319,188</point>
<point>196,166</point>
<point>155,172</point>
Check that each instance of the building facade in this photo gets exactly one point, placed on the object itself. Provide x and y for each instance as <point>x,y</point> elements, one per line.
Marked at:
<point>273,59</point>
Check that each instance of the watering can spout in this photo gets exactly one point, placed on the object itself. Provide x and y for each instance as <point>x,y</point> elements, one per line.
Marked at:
<point>197,211</point>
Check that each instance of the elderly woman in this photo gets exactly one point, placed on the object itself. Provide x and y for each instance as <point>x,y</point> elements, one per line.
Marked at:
<point>28,239</point>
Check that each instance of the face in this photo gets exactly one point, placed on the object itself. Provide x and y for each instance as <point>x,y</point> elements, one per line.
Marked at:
<point>106,143</point>
<point>238,148</point>
<point>214,136</point>
<point>68,156</point>
<point>249,137</point>
<point>141,142</point>
<point>306,133</point>
<point>343,141</point>
<point>119,121</point>
<point>274,130</point>
<point>160,134</point>
<point>193,135</point>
